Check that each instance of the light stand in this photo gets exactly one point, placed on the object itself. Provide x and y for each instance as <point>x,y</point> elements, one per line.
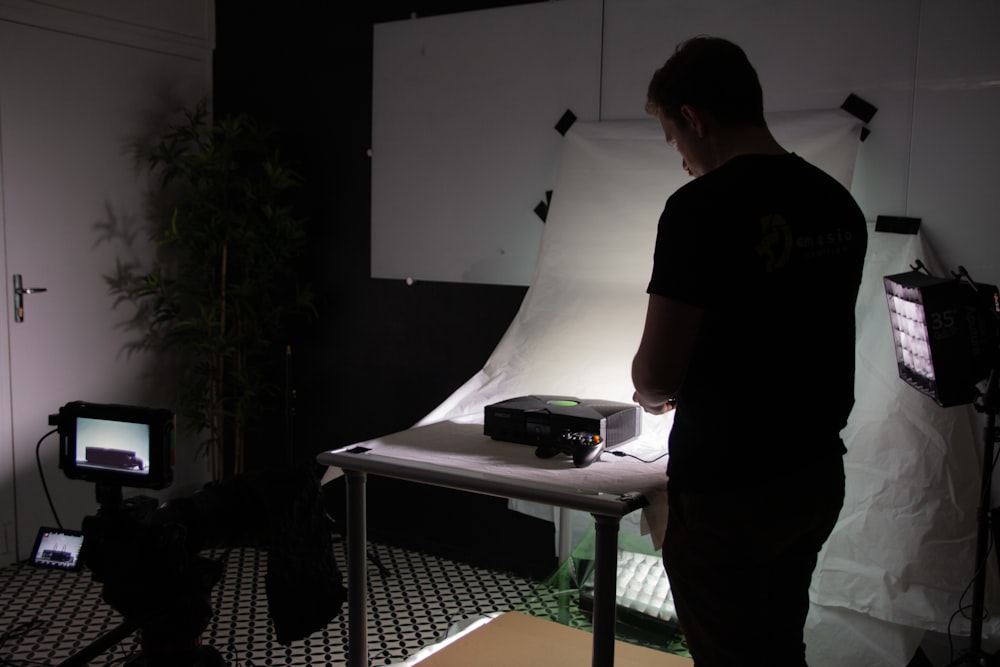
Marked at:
<point>975,655</point>
<point>947,341</point>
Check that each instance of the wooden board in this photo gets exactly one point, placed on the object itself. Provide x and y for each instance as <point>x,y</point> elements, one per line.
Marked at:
<point>518,639</point>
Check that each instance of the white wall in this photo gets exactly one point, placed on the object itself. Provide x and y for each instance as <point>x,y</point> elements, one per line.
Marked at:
<point>931,68</point>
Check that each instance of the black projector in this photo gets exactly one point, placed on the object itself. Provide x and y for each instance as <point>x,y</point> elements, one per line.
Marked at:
<point>582,428</point>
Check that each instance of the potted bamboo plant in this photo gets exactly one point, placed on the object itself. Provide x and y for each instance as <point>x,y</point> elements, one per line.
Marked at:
<point>223,285</point>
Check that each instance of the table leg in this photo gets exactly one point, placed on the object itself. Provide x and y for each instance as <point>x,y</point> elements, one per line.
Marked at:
<point>357,569</point>
<point>565,578</point>
<point>605,589</point>
<point>565,534</point>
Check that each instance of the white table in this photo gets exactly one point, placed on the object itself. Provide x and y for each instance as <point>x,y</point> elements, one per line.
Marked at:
<point>459,456</point>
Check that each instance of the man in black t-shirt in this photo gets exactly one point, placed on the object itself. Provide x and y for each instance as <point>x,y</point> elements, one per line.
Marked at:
<point>749,335</point>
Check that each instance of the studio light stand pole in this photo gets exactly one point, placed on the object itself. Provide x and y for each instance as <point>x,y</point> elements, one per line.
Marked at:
<point>975,655</point>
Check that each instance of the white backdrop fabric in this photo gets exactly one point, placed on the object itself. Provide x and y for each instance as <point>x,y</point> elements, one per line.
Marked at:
<point>903,550</point>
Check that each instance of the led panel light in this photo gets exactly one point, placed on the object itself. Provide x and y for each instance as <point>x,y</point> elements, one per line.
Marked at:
<point>945,334</point>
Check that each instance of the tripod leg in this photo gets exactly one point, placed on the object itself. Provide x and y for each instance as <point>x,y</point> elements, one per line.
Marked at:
<point>101,644</point>
<point>373,557</point>
<point>994,518</point>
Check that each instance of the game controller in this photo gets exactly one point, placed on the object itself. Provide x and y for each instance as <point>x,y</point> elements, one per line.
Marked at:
<point>584,448</point>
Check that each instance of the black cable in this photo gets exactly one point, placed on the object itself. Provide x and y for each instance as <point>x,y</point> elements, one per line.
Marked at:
<point>41,474</point>
<point>963,608</point>
<point>16,633</point>
<point>623,454</point>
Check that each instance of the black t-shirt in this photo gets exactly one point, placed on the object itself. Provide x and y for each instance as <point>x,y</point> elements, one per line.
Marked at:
<point>772,249</point>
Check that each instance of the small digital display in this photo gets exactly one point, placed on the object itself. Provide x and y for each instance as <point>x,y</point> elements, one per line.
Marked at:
<point>58,549</point>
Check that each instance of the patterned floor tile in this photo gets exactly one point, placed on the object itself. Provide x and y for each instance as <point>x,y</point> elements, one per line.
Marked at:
<point>46,616</point>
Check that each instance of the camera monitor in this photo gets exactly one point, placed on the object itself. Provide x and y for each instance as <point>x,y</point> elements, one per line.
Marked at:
<point>118,445</point>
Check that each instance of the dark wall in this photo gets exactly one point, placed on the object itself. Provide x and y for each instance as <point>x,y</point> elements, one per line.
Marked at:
<point>381,354</point>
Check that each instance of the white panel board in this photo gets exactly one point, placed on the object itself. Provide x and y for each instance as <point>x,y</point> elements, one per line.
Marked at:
<point>808,55</point>
<point>956,145</point>
<point>463,140</point>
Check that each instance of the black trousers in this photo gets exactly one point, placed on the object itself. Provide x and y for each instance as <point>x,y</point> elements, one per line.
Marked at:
<point>740,566</point>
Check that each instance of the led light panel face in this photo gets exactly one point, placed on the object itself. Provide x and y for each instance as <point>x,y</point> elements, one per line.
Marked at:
<point>909,332</point>
<point>944,332</point>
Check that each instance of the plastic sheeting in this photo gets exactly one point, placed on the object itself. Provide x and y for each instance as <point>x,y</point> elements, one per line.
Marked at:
<point>903,550</point>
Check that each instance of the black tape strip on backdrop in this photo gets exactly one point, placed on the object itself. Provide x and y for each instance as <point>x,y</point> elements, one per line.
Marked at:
<point>859,108</point>
<point>542,210</point>
<point>897,224</point>
<point>566,122</point>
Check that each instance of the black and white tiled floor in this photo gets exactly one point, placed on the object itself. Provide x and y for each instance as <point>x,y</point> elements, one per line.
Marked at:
<point>47,616</point>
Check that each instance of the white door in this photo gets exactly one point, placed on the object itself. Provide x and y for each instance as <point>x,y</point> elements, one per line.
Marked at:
<point>71,108</point>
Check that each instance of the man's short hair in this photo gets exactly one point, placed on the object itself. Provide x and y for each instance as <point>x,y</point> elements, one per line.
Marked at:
<point>710,74</point>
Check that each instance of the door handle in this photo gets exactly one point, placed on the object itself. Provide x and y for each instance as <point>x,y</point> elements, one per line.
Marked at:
<point>19,292</point>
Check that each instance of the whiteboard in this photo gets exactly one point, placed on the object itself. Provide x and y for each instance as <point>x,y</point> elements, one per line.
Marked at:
<point>464,145</point>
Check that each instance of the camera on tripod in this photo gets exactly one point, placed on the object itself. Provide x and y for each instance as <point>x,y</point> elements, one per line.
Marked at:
<point>148,565</point>
<point>148,555</point>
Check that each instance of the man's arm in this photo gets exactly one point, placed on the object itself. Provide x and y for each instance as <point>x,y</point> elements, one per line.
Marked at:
<point>665,348</point>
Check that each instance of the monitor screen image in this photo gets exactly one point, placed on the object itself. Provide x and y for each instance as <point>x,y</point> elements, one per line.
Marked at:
<point>112,445</point>
<point>58,549</point>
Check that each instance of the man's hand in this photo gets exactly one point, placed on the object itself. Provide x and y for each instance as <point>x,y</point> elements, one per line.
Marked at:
<point>659,366</point>
<point>655,408</point>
